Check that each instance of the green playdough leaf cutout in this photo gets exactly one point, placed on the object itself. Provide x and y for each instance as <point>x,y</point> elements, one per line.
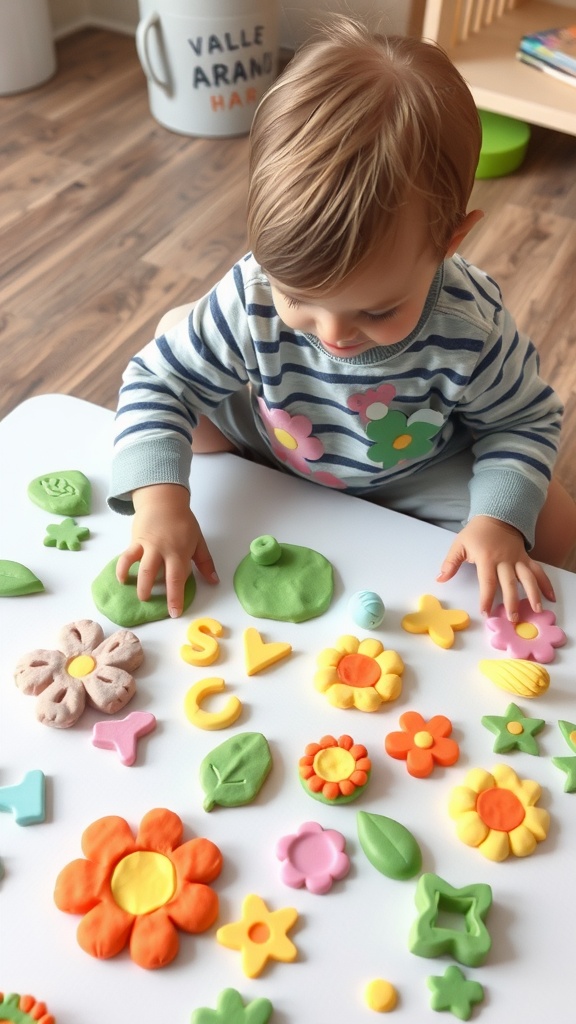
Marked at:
<point>234,772</point>
<point>388,845</point>
<point>16,580</point>
<point>120,603</point>
<point>67,493</point>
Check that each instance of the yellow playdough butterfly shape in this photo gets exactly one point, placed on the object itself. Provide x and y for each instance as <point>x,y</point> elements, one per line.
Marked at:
<point>440,623</point>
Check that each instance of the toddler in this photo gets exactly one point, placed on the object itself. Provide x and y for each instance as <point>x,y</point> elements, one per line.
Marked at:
<point>353,346</point>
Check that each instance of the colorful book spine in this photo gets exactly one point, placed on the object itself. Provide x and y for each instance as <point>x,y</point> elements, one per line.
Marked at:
<point>556,47</point>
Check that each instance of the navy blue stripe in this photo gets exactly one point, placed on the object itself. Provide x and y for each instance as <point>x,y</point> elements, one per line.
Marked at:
<point>156,425</point>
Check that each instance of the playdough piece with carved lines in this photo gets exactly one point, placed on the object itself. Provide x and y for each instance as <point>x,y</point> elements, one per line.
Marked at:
<point>210,719</point>
<point>440,623</point>
<point>260,655</point>
<point>203,649</point>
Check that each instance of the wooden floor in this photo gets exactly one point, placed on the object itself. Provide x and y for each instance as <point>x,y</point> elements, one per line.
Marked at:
<point>107,220</point>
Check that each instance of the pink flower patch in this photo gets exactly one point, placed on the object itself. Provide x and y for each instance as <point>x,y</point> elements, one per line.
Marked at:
<point>533,637</point>
<point>290,437</point>
<point>372,404</point>
<point>328,480</point>
<point>314,858</point>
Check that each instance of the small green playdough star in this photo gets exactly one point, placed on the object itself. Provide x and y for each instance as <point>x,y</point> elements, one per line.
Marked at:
<point>16,580</point>
<point>430,937</point>
<point>568,764</point>
<point>231,1010</point>
<point>451,991</point>
<point>120,603</point>
<point>514,731</point>
<point>67,493</point>
<point>66,536</point>
<point>283,581</point>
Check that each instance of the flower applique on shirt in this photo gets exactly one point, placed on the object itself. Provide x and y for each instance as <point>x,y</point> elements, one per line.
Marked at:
<point>293,443</point>
<point>397,437</point>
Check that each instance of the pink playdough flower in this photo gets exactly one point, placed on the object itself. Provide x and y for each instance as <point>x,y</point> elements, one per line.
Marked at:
<point>314,857</point>
<point>290,437</point>
<point>533,637</point>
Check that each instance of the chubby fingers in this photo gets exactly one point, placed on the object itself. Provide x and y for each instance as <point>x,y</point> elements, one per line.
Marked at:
<point>204,562</point>
<point>126,561</point>
<point>454,559</point>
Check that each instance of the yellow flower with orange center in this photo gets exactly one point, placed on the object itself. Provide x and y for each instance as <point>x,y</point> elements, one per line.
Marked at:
<point>260,935</point>
<point>359,674</point>
<point>496,812</point>
<point>335,770</point>
<point>140,890</point>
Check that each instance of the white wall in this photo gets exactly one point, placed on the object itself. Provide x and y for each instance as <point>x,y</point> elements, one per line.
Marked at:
<point>296,15</point>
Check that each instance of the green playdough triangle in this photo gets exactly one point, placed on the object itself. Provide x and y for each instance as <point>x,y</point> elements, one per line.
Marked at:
<point>120,603</point>
<point>283,581</point>
<point>16,580</point>
<point>67,492</point>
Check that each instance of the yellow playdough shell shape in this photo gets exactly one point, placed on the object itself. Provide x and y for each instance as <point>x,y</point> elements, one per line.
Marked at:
<point>524,678</point>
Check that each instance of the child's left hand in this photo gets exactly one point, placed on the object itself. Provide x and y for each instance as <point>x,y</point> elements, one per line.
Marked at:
<point>499,554</point>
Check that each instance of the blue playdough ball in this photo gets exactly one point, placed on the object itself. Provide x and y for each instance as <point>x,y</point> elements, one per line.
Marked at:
<point>366,608</point>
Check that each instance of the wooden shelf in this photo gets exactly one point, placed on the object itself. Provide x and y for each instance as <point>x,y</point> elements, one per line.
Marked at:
<point>487,60</point>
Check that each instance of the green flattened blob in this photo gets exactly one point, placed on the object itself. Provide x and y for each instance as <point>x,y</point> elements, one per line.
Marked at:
<point>233,773</point>
<point>231,1010</point>
<point>285,582</point>
<point>120,603</point>
<point>66,493</point>
<point>16,580</point>
<point>388,845</point>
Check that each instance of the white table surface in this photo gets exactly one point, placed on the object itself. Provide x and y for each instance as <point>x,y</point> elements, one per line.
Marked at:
<point>359,930</point>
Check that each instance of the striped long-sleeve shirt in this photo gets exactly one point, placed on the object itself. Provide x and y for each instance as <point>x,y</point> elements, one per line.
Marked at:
<point>465,377</point>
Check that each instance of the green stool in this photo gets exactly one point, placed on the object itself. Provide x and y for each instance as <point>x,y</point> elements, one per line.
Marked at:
<point>504,145</point>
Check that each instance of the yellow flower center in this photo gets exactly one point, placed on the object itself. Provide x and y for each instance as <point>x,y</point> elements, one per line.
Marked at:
<point>402,441</point>
<point>143,881</point>
<point>80,666</point>
<point>515,728</point>
<point>285,439</point>
<point>334,764</point>
<point>527,630</point>
<point>500,809</point>
<point>424,740</point>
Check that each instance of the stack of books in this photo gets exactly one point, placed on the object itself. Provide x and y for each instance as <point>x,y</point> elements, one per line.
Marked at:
<point>552,51</point>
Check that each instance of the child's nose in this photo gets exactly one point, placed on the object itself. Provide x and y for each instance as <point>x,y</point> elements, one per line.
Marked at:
<point>333,328</point>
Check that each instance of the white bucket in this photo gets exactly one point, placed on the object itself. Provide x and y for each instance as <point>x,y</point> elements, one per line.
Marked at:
<point>27,54</point>
<point>208,62</point>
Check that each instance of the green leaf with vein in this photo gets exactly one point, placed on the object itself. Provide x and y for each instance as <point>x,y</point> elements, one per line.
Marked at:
<point>16,580</point>
<point>233,773</point>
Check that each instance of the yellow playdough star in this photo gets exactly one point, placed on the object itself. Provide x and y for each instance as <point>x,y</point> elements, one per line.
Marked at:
<point>440,623</point>
<point>260,935</point>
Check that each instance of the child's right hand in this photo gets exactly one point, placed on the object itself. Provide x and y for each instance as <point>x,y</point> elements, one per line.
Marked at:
<point>165,536</point>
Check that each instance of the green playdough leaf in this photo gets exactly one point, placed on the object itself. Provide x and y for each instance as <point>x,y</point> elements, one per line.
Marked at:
<point>16,580</point>
<point>67,493</point>
<point>388,845</point>
<point>234,772</point>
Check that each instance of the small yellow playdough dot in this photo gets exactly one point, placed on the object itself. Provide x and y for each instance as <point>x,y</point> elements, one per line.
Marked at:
<point>515,728</point>
<point>402,441</point>
<point>381,995</point>
<point>527,630</point>
<point>80,666</point>
<point>285,439</point>
<point>334,764</point>
<point>143,881</point>
<point>423,740</point>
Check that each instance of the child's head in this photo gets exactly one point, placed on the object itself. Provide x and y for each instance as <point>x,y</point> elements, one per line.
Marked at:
<point>357,126</point>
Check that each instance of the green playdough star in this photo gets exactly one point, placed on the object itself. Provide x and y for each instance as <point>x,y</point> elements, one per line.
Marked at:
<point>514,731</point>
<point>66,536</point>
<point>231,1010</point>
<point>453,992</point>
<point>568,764</point>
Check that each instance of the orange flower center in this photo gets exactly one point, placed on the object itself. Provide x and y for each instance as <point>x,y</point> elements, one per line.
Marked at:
<point>334,764</point>
<point>285,439</point>
<point>500,809</point>
<point>358,670</point>
<point>526,630</point>
<point>143,881</point>
<point>402,441</point>
<point>80,666</point>
<point>259,932</point>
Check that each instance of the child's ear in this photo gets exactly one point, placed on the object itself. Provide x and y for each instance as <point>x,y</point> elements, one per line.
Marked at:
<point>470,221</point>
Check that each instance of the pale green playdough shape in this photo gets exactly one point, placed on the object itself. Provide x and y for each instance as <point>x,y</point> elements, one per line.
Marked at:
<point>66,536</point>
<point>233,773</point>
<point>120,603</point>
<point>283,581</point>
<point>16,580</point>
<point>231,1010</point>
<point>388,845</point>
<point>66,493</point>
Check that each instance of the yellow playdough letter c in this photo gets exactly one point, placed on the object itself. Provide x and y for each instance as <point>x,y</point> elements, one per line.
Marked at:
<point>210,719</point>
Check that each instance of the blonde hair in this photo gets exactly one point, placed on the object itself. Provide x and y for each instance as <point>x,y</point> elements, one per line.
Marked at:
<point>354,126</point>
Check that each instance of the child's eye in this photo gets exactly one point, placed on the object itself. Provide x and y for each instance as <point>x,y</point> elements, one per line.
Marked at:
<point>389,314</point>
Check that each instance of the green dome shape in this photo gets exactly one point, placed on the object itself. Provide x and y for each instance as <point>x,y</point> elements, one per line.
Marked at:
<point>283,581</point>
<point>120,602</point>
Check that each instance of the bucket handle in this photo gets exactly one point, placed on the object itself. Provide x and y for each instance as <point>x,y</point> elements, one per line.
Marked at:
<point>149,23</point>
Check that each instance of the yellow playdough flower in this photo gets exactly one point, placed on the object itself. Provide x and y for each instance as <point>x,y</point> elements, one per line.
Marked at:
<point>359,674</point>
<point>497,814</point>
<point>260,935</point>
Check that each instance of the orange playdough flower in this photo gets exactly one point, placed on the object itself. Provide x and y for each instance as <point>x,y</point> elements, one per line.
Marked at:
<point>139,891</point>
<point>422,744</point>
